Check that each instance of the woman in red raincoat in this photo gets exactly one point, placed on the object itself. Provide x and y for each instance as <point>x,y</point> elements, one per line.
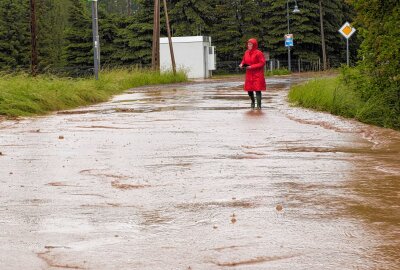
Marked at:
<point>254,61</point>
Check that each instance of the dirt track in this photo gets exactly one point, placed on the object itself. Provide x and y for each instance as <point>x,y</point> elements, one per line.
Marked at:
<point>188,177</point>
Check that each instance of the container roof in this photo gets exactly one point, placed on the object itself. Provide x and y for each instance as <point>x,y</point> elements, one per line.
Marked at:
<point>186,39</point>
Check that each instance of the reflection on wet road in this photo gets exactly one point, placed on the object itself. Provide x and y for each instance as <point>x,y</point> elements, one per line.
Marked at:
<point>187,177</point>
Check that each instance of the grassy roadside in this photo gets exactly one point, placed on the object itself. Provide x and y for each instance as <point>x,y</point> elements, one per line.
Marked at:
<point>336,96</point>
<point>277,72</point>
<point>326,94</point>
<point>22,95</point>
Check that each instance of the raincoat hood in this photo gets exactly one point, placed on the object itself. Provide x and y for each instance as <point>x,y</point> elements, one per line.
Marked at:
<point>254,42</point>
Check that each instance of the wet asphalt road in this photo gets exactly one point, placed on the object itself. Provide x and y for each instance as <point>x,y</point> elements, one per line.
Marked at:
<point>186,176</point>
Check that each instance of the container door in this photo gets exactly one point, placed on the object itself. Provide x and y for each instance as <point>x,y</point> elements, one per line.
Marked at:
<point>206,72</point>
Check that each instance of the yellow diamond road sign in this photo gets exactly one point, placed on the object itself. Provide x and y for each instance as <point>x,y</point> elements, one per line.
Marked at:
<point>347,30</point>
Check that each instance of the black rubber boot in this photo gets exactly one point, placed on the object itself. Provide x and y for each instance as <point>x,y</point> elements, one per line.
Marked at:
<point>251,95</point>
<point>258,94</point>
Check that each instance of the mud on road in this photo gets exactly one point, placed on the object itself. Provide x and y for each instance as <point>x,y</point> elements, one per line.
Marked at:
<point>188,177</point>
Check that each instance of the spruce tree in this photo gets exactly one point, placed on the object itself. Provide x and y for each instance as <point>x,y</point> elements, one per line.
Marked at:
<point>191,18</point>
<point>128,44</point>
<point>234,23</point>
<point>52,21</point>
<point>78,35</point>
<point>108,33</point>
<point>303,26</point>
<point>119,7</point>
<point>15,34</point>
<point>335,14</point>
<point>143,27</point>
<point>226,35</point>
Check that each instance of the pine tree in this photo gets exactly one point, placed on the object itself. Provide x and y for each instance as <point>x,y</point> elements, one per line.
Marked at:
<point>143,27</point>
<point>52,21</point>
<point>65,35</point>
<point>127,43</point>
<point>249,19</point>
<point>15,34</point>
<point>108,33</point>
<point>78,35</point>
<point>191,18</point>
<point>235,22</point>
<point>226,35</point>
<point>336,13</point>
<point>303,26</point>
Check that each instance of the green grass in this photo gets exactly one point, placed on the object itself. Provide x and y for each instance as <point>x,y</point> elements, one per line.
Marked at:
<point>327,94</point>
<point>23,95</point>
<point>337,97</point>
<point>278,72</point>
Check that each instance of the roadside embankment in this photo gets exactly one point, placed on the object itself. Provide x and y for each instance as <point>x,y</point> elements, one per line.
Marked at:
<point>352,98</point>
<point>23,95</point>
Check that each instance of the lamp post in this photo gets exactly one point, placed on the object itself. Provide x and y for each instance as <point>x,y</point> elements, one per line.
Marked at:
<point>295,10</point>
<point>34,48</point>
<point>96,41</point>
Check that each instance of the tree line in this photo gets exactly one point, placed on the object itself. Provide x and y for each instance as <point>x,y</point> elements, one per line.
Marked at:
<point>64,37</point>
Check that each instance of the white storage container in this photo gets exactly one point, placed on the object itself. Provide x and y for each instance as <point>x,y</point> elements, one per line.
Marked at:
<point>194,54</point>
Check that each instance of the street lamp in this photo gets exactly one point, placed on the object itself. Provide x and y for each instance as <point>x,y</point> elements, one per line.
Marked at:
<point>96,41</point>
<point>295,10</point>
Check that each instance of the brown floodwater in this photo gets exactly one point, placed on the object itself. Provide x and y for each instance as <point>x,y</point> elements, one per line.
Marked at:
<point>186,176</point>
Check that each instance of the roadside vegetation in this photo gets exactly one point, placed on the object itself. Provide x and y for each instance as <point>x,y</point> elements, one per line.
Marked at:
<point>350,94</point>
<point>23,95</point>
<point>370,92</point>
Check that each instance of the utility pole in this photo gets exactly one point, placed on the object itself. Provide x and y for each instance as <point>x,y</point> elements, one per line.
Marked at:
<point>288,32</point>
<point>129,6</point>
<point>171,49</point>
<point>155,61</point>
<point>96,40</point>
<point>34,49</point>
<point>321,18</point>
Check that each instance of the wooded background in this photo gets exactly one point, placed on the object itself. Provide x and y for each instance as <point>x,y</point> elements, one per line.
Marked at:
<point>65,38</point>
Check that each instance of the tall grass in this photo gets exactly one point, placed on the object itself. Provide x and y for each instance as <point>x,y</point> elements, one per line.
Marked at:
<point>326,94</point>
<point>23,95</point>
<point>336,96</point>
<point>276,72</point>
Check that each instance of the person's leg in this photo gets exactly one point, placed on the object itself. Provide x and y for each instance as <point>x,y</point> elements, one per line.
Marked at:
<point>251,95</point>
<point>258,94</point>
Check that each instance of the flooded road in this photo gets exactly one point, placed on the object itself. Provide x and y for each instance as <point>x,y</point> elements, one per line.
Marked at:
<point>186,176</point>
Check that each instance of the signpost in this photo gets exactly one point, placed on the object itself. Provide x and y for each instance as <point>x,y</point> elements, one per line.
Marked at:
<point>288,44</point>
<point>289,37</point>
<point>96,41</point>
<point>347,31</point>
<point>289,40</point>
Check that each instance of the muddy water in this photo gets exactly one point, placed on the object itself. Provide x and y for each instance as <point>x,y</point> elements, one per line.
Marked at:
<point>187,177</point>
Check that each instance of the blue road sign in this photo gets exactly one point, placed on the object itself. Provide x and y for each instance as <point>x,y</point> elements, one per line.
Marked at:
<point>289,40</point>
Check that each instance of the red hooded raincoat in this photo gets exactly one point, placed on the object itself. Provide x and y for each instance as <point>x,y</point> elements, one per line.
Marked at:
<point>255,80</point>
